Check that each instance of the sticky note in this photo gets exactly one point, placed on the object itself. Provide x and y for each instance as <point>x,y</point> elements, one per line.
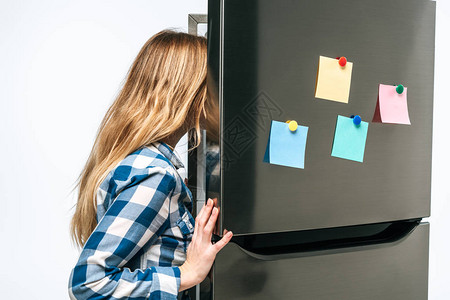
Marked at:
<point>333,81</point>
<point>349,139</point>
<point>286,147</point>
<point>392,107</point>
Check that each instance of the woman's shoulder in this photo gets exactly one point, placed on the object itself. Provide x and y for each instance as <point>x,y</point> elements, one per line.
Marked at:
<point>144,159</point>
<point>139,167</point>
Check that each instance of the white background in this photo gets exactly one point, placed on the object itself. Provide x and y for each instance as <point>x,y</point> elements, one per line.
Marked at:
<point>61,64</point>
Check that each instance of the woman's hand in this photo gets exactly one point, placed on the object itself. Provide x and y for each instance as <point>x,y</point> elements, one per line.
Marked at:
<point>201,252</point>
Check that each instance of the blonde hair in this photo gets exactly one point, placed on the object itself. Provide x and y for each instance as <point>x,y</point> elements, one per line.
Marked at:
<point>164,92</point>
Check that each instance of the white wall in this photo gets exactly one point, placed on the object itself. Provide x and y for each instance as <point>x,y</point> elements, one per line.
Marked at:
<point>439,274</point>
<point>62,63</point>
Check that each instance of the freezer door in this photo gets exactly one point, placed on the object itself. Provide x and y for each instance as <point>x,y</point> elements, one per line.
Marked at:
<point>389,271</point>
<point>263,57</point>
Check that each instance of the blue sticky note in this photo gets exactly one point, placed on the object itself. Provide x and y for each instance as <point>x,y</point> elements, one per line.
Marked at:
<point>285,147</point>
<point>349,139</point>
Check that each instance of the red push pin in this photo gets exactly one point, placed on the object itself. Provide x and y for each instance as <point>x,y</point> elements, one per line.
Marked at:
<point>342,61</point>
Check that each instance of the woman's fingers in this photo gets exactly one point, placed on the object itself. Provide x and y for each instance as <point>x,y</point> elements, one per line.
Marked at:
<point>209,227</point>
<point>201,219</point>
<point>200,213</point>
<point>223,241</point>
<point>205,206</point>
<point>205,221</point>
<point>201,252</point>
<point>197,225</point>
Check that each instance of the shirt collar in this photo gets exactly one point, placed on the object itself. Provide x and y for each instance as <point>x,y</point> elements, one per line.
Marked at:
<point>169,154</point>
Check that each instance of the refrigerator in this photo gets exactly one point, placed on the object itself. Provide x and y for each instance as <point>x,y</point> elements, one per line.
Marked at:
<point>336,228</point>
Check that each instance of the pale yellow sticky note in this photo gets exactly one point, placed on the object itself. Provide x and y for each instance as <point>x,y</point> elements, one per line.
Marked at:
<point>333,81</point>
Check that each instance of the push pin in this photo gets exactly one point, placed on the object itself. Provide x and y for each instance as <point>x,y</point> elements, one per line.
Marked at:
<point>356,119</point>
<point>342,61</point>
<point>292,125</point>
<point>400,88</point>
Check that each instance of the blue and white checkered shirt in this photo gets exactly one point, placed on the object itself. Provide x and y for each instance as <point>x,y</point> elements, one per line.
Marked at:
<point>143,231</point>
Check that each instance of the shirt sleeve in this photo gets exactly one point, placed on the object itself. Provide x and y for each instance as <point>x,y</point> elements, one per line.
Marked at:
<point>137,216</point>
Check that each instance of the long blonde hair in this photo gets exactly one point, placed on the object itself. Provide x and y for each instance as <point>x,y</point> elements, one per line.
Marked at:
<point>164,92</point>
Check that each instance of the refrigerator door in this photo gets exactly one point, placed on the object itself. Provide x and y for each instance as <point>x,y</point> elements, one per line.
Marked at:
<point>263,58</point>
<point>388,271</point>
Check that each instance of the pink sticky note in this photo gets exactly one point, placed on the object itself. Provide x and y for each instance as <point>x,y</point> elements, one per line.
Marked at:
<point>392,107</point>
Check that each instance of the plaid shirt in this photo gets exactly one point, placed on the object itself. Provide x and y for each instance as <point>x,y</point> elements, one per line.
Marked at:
<point>143,231</point>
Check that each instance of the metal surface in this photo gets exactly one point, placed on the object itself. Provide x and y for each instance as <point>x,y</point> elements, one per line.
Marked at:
<point>196,161</point>
<point>201,174</point>
<point>394,271</point>
<point>263,57</point>
<point>194,20</point>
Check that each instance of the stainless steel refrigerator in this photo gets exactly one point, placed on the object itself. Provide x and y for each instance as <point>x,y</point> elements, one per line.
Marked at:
<point>337,229</point>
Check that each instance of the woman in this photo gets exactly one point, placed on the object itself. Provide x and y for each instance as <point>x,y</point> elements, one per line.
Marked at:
<point>133,216</point>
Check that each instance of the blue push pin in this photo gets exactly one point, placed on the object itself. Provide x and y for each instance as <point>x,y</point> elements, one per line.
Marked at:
<point>356,119</point>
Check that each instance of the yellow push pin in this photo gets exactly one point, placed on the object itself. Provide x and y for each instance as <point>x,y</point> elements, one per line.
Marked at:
<point>292,125</point>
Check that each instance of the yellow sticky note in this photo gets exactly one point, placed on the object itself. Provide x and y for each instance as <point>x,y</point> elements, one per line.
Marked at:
<point>333,81</point>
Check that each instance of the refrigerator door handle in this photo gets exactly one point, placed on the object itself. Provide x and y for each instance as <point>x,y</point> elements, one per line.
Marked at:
<point>315,242</point>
